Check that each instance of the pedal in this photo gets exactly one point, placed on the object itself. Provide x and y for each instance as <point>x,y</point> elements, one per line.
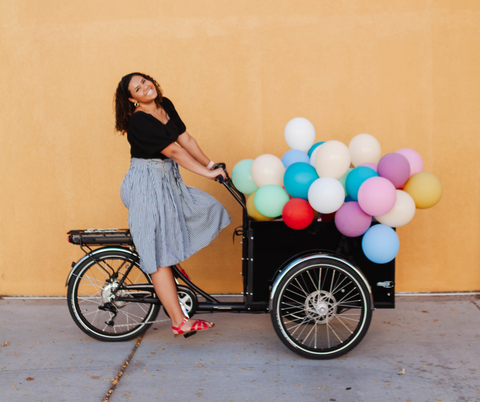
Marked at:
<point>190,334</point>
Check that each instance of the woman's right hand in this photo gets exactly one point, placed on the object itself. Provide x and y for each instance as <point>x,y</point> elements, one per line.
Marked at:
<point>213,174</point>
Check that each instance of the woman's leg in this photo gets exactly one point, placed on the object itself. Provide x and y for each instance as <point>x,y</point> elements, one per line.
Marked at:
<point>166,290</point>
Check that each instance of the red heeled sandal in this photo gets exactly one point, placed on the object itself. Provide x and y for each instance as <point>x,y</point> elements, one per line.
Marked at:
<point>198,325</point>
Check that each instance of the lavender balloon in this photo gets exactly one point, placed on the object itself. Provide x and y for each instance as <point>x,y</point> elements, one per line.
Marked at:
<point>394,167</point>
<point>351,221</point>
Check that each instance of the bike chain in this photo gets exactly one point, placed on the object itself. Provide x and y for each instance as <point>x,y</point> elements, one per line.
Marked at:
<point>141,323</point>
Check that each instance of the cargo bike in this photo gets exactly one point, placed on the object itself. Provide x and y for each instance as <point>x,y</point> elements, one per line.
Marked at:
<point>317,285</point>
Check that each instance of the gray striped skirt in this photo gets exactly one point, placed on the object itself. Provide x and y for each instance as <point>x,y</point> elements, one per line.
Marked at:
<point>169,221</point>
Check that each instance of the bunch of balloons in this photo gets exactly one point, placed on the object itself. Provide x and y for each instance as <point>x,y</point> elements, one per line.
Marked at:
<point>354,182</point>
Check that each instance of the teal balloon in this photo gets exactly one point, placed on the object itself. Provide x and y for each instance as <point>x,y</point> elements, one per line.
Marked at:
<point>270,200</point>
<point>356,178</point>
<point>298,178</point>
<point>242,177</point>
<point>313,147</point>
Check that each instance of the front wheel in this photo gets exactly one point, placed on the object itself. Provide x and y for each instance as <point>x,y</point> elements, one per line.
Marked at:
<point>321,309</point>
<point>99,295</point>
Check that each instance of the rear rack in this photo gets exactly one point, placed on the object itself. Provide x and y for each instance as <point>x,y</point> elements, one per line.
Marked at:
<point>100,237</point>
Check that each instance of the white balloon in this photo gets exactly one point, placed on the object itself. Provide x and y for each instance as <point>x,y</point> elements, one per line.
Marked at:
<point>364,148</point>
<point>313,156</point>
<point>268,169</point>
<point>332,159</point>
<point>300,134</point>
<point>326,195</point>
<point>402,212</point>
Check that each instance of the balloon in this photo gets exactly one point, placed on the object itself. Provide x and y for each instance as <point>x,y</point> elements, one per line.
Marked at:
<point>328,217</point>
<point>364,148</point>
<point>356,178</point>
<point>414,159</point>
<point>402,212</point>
<point>298,178</point>
<point>425,189</point>
<point>270,200</point>
<point>297,214</point>
<point>242,177</point>
<point>343,180</point>
<point>314,156</point>
<point>314,147</point>
<point>351,221</point>
<point>376,196</point>
<point>370,165</point>
<point>293,156</point>
<point>268,169</point>
<point>252,211</point>
<point>332,159</point>
<point>380,244</point>
<point>394,167</point>
<point>326,195</point>
<point>299,134</point>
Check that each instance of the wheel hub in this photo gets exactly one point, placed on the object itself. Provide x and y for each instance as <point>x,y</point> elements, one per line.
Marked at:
<point>320,306</point>
<point>108,295</point>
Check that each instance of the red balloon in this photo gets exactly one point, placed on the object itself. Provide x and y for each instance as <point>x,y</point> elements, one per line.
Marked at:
<point>297,213</point>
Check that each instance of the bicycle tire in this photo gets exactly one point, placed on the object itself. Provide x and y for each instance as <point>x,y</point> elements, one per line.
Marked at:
<point>91,300</point>
<point>321,309</point>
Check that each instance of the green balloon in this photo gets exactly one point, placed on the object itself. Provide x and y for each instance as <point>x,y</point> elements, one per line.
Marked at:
<point>242,177</point>
<point>270,200</point>
<point>343,179</point>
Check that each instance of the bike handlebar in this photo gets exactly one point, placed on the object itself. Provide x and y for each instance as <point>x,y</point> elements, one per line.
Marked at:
<point>224,167</point>
<point>229,185</point>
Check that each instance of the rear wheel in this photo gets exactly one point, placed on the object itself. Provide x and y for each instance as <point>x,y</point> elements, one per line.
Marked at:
<point>321,309</point>
<point>94,291</point>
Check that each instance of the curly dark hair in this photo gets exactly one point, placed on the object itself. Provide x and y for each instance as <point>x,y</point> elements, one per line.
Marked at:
<point>123,107</point>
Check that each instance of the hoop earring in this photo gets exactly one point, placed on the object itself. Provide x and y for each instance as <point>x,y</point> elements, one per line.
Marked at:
<point>135,104</point>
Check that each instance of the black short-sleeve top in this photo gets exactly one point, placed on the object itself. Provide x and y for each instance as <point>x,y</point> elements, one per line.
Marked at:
<point>148,136</point>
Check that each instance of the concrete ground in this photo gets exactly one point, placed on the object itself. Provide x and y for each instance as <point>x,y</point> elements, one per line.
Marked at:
<point>426,349</point>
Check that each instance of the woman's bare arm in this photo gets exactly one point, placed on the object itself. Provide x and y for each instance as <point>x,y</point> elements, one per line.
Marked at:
<point>190,144</point>
<point>186,160</point>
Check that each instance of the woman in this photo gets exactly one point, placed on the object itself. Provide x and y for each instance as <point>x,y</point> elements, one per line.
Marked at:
<point>168,220</point>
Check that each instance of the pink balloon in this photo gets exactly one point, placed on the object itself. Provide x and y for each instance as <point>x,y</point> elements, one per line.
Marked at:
<point>414,159</point>
<point>394,167</point>
<point>351,221</point>
<point>377,196</point>
<point>370,165</point>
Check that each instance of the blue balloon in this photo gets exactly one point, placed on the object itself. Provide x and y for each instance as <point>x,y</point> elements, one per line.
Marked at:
<point>313,148</point>
<point>298,178</point>
<point>380,244</point>
<point>293,156</point>
<point>356,178</point>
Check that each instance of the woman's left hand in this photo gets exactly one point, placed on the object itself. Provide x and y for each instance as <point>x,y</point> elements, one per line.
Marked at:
<point>213,174</point>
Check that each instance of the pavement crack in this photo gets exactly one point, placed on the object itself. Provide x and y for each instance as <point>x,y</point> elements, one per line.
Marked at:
<point>475,304</point>
<point>123,368</point>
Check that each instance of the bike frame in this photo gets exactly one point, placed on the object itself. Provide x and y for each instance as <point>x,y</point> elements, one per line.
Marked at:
<point>259,282</point>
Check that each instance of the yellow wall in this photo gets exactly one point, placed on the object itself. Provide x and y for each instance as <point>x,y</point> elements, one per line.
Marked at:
<point>405,71</point>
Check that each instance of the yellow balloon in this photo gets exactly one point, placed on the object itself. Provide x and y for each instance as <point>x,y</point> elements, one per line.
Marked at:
<point>252,211</point>
<point>425,189</point>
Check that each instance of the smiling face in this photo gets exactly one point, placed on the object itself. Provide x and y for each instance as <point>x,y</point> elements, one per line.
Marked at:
<point>142,90</point>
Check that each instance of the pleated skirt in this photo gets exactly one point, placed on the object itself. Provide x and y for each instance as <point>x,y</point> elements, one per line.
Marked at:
<point>169,221</point>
